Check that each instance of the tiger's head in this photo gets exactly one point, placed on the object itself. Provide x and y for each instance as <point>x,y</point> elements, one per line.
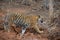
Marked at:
<point>40,19</point>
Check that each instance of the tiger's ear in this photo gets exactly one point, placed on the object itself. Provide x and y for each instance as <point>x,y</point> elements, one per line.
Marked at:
<point>38,16</point>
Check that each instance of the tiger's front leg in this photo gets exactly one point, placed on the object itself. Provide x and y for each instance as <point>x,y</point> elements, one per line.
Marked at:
<point>23,31</point>
<point>37,29</point>
<point>24,27</point>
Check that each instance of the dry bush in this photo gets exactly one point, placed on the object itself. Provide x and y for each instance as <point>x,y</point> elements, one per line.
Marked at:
<point>55,33</point>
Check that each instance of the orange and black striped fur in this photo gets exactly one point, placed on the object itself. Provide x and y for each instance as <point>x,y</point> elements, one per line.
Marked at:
<point>25,21</point>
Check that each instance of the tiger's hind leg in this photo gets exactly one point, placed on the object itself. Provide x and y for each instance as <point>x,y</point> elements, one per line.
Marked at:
<point>6,23</point>
<point>7,27</point>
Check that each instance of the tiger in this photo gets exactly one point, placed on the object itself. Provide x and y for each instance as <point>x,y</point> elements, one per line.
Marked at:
<point>24,21</point>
